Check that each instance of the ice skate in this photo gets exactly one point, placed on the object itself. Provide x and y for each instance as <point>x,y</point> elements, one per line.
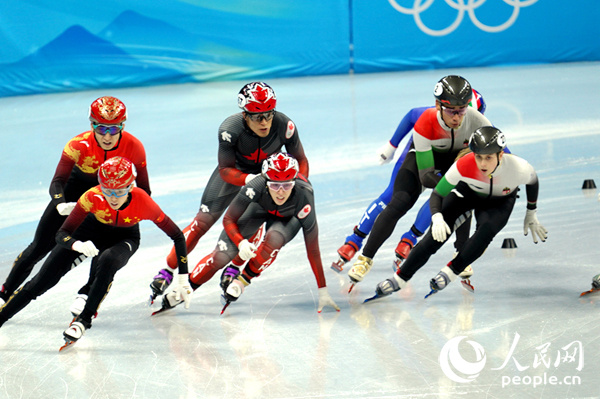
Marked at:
<point>595,286</point>
<point>402,251</point>
<point>78,304</point>
<point>229,274</point>
<point>3,296</point>
<point>168,302</point>
<point>465,281</point>
<point>75,331</point>
<point>441,280</point>
<point>346,253</point>
<point>387,287</point>
<point>232,293</point>
<point>160,283</point>
<point>359,270</point>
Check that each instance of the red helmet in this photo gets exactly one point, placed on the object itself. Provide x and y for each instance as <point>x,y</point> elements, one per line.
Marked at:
<point>280,167</point>
<point>257,97</point>
<point>108,111</point>
<point>116,172</point>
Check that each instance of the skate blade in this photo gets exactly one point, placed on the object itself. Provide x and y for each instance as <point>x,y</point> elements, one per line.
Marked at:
<point>351,287</point>
<point>225,307</point>
<point>430,293</point>
<point>339,265</point>
<point>68,344</point>
<point>152,299</point>
<point>374,297</point>
<point>396,264</point>
<point>590,291</point>
<point>159,311</point>
<point>466,284</point>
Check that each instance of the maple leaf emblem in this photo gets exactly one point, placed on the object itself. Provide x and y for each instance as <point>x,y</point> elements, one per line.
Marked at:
<point>260,94</point>
<point>258,154</point>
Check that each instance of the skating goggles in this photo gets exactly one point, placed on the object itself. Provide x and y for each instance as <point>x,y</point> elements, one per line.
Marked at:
<point>275,185</point>
<point>117,193</point>
<point>113,130</point>
<point>455,111</point>
<point>267,116</point>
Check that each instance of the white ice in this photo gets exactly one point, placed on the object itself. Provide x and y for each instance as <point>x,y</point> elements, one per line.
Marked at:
<point>525,325</point>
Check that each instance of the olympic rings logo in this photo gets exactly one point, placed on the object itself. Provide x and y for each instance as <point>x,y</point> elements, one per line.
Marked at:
<point>460,6</point>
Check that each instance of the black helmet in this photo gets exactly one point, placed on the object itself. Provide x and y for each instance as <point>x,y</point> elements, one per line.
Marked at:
<point>453,91</point>
<point>487,140</point>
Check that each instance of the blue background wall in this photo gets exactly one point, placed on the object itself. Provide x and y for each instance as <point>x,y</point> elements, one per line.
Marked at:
<point>49,46</point>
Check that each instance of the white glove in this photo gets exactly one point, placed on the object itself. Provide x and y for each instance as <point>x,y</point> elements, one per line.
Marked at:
<point>532,223</point>
<point>325,300</point>
<point>247,250</point>
<point>65,208</point>
<point>183,291</point>
<point>386,153</point>
<point>439,229</point>
<point>87,248</point>
<point>249,177</point>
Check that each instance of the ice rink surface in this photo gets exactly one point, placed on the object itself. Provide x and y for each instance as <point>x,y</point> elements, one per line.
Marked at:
<point>524,333</point>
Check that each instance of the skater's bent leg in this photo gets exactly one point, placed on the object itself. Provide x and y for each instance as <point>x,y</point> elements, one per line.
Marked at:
<point>43,242</point>
<point>54,268</point>
<point>419,256</point>
<point>109,261</point>
<point>406,193</point>
<point>193,232</point>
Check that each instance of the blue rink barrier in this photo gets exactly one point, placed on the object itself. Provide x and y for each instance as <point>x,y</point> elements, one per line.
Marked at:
<point>391,35</point>
<point>72,45</point>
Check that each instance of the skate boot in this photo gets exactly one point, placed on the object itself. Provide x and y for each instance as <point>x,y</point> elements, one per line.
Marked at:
<point>346,253</point>
<point>78,304</point>
<point>441,280</point>
<point>160,283</point>
<point>359,270</point>
<point>228,275</point>
<point>3,296</point>
<point>75,331</point>
<point>402,251</point>
<point>387,287</point>
<point>233,291</point>
<point>168,302</point>
<point>595,286</point>
<point>465,276</point>
<point>596,282</point>
<point>467,273</point>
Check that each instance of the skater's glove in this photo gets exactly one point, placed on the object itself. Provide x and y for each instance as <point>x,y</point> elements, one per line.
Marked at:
<point>65,208</point>
<point>325,300</point>
<point>532,223</point>
<point>439,229</point>
<point>247,250</point>
<point>386,153</point>
<point>249,177</point>
<point>184,292</point>
<point>87,248</point>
